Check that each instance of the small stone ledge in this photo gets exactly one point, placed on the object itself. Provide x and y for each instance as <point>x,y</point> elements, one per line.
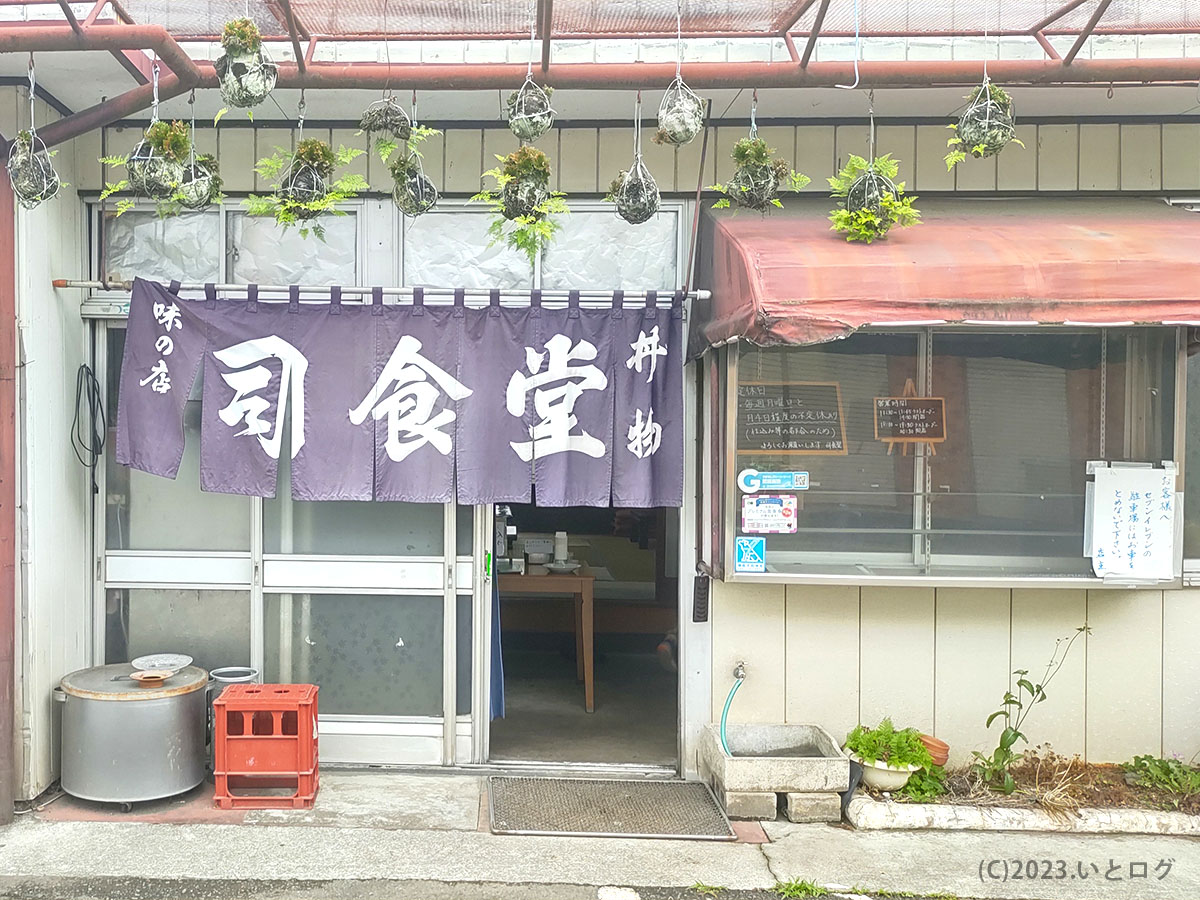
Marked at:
<point>868,814</point>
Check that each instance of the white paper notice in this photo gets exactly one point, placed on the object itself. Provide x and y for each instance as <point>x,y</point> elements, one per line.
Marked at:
<point>1133,523</point>
<point>769,514</point>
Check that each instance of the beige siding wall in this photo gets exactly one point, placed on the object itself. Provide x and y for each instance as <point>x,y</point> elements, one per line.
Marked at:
<point>1071,157</point>
<point>941,659</point>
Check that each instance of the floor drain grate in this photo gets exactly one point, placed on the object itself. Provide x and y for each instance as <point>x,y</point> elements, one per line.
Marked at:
<point>599,807</point>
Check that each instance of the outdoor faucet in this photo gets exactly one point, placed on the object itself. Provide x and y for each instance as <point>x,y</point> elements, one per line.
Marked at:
<point>739,671</point>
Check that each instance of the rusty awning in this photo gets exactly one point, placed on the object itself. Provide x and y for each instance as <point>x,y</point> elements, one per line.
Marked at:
<point>787,279</point>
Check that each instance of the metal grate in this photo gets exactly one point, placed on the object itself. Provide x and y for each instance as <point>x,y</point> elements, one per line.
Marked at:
<point>596,807</point>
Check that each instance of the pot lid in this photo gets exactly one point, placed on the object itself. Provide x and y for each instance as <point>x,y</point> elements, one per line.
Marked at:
<point>114,683</point>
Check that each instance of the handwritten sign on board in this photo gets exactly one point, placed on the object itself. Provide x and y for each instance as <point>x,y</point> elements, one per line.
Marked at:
<point>912,419</point>
<point>1133,523</point>
<point>791,418</point>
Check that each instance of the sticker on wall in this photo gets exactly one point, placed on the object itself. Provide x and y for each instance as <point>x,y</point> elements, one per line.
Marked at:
<point>769,514</point>
<point>749,554</point>
<point>751,481</point>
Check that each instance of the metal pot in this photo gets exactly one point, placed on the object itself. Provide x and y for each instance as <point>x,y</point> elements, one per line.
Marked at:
<point>123,743</point>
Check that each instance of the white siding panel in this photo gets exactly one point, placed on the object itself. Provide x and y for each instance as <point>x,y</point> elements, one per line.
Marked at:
<point>237,158</point>
<point>822,657</point>
<point>815,155</point>
<point>896,662</point>
<point>1099,157</point>
<point>1039,617</point>
<point>1017,167</point>
<point>901,142</point>
<point>748,626</point>
<point>464,155</point>
<point>1181,673</point>
<point>1058,157</point>
<point>577,154</point>
<point>1181,156</point>
<point>930,170</point>
<point>1141,157</point>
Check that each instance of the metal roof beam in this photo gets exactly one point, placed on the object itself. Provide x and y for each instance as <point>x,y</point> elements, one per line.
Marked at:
<point>814,34</point>
<point>295,34</point>
<point>65,5</point>
<point>545,29</point>
<point>1101,9</point>
<point>791,16</point>
<point>1041,38</point>
<point>1056,15</point>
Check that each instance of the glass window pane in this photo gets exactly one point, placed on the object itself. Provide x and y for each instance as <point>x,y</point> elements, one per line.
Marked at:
<point>348,527</point>
<point>464,665</point>
<point>213,627</point>
<point>600,250</point>
<point>1191,469</point>
<point>371,655</point>
<point>146,512</point>
<point>262,252</point>
<point>451,247</point>
<point>140,244</point>
<point>860,498</point>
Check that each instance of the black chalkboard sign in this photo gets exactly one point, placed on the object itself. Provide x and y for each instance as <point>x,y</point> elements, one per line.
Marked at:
<point>910,419</point>
<point>791,418</point>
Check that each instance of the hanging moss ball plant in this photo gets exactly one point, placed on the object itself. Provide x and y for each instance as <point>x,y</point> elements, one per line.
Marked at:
<point>758,178</point>
<point>635,194</point>
<point>31,170</point>
<point>872,202</point>
<point>244,74</point>
<point>155,167</point>
<point>304,185</point>
<point>200,185</point>
<point>529,112</point>
<point>680,115</point>
<point>986,128</point>
<point>525,207</point>
<point>386,116</point>
<point>413,193</point>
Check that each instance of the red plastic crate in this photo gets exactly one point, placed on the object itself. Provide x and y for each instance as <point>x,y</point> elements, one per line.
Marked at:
<point>265,746</point>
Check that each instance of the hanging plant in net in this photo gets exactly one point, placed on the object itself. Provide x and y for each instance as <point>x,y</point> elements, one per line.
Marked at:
<point>200,185</point>
<point>31,171</point>
<point>529,112</point>
<point>986,128</point>
<point>386,117</point>
<point>305,181</point>
<point>872,202</point>
<point>245,74</point>
<point>680,115</point>
<point>413,193</point>
<point>526,209</point>
<point>155,166</point>
<point>304,188</point>
<point>635,193</point>
<point>758,178</point>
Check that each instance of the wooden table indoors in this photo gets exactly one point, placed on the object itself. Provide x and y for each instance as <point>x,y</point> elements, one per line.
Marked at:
<point>580,586</point>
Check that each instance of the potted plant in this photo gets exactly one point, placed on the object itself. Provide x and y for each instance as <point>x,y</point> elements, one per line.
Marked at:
<point>986,128</point>
<point>680,115</point>
<point>525,208</point>
<point>244,74</point>
<point>872,202</point>
<point>939,750</point>
<point>155,166</point>
<point>758,178</point>
<point>635,193</point>
<point>413,193</point>
<point>304,186</point>
<point>31,171</point>
<point>528,111</point>
<point>888,756</point>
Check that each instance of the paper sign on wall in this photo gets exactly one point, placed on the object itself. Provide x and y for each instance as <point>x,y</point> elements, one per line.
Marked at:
<point>1133,523</point>
<point>769,514</point>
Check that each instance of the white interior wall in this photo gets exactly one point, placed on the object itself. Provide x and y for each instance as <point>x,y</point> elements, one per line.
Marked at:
<point>53,592</point>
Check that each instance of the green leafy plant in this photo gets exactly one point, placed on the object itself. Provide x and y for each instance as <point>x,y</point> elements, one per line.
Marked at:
<point>995,770</point>
<point>925,784</point>
<point>888,745</point>
<point>524,206</point>
<point>799,888</point>
<point>708,890</point>
<point>872,203</point>
<point>302,189</point>
<point>172,140</point>
<point>1171,775</point>
<point>241,37</point>
<point>985,128</point>
<point>200,187</point>
<point>758,177</point>
<point>154,168</point>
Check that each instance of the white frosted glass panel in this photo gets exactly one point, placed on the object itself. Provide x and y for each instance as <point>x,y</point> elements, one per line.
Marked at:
<point>450,249</point>
<point>213,627</point>
<point>185,247</point>
<point>264,253</point>
<point>598,250</point>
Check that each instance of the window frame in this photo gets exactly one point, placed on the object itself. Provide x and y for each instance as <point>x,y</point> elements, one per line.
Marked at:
<point>922,509</point>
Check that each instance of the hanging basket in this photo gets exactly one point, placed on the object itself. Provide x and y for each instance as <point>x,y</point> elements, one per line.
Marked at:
<point>754,186</point>
<point>987,127</point>
<point>868,190</point>
<point>151,174</point>
<point>245,77</point>
<point>200,185</point>
<point>413,193</point>
<point>680,115</point>
<point>386,116</point>
<point>31,171</point>
<point>302,183</point>
<point>637,197</point>
<point>522,197</point>
<point>529,112</point>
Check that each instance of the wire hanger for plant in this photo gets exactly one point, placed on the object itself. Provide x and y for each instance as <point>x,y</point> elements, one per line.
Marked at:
<point>192,133</point>
<point>32,89</point>
<point>871,130</point>
<point>154,80</point>
<point>678,40</point>
<point>754,115</point>
<point>300,107</point>
<point>637,129</point>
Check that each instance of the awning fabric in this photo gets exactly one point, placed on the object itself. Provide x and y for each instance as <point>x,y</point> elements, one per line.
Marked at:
<point>787,279</point>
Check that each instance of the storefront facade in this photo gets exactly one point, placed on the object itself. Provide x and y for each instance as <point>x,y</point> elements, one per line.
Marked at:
<point>915,583</point>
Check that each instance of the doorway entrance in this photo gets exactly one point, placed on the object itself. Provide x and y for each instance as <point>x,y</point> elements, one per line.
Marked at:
<point>588,609</point>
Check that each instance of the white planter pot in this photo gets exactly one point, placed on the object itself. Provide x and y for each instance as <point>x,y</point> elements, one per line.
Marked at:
<point>881,776</point>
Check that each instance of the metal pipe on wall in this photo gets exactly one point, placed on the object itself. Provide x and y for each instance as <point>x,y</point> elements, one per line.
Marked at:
<point>8,501</point>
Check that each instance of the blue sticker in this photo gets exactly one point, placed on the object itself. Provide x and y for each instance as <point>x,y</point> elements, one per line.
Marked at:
<point>751,481</point>
<point>750,554</point>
